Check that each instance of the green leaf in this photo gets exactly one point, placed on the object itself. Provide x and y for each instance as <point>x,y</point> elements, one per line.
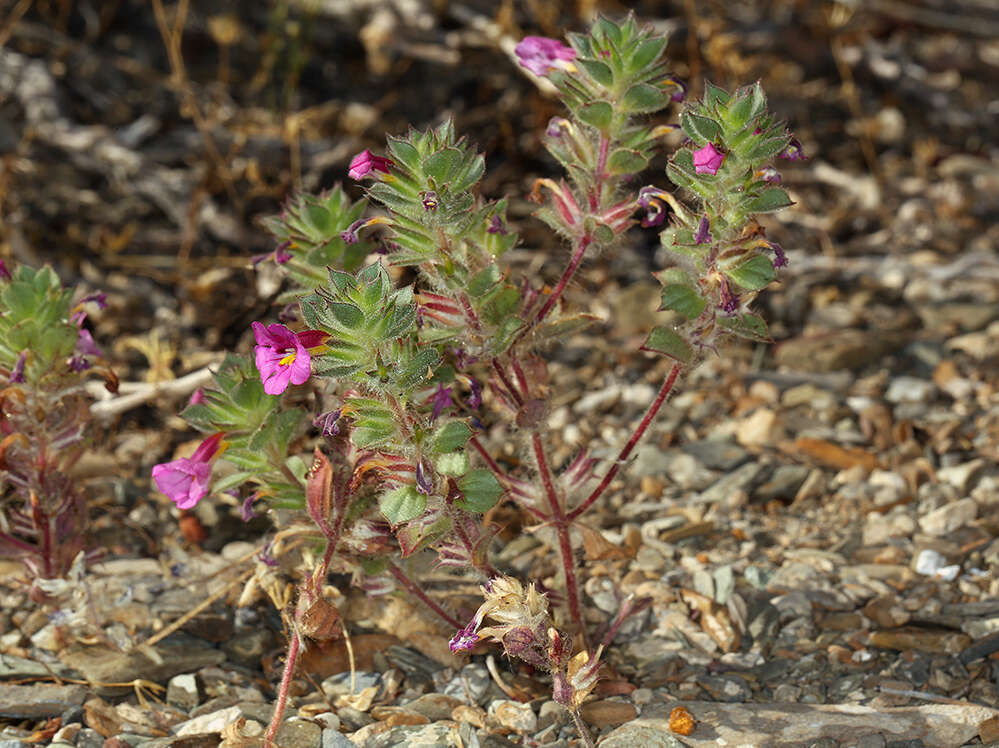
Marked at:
<point>755,273</point>
<point>764,149</point>
<point>442,164</point>
<point>667,342</point>
<point>347,315</point>
<point>483,281</point>
<point>626,161</point>
<point>609,29</point>
<point>646,54</point>
<point>402,504</point>
<point>480,491</point>
<point>748,326</point>
<point>739,111</point>
<point>771,199</point>
<point>715,95</point>
<point>600,72</point>
<point>404,154</point>
<point>643,98</point>
<point>232,481</point>
<point>699,129</point>
<point>453,464</point>
<point>683,299</point>
<point>451,436</point>
<point>759,101</point>
<point>597,113</point>
<point>421,532</point>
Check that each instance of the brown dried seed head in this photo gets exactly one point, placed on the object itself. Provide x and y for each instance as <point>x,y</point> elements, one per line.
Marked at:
<point>320,620</point>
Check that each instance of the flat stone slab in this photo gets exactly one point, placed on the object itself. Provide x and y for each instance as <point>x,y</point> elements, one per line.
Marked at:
<point>794,725</point>
<point>38,701</point>
<point>102,666</point>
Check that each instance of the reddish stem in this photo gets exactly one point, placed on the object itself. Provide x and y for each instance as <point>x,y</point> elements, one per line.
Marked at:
<point>561,524</point>
<point>414,589</point>
<point>289,669</point>
<point>639,432</point>
<point>507,383</point>
<point>570,270</point>
<point>599,175</point>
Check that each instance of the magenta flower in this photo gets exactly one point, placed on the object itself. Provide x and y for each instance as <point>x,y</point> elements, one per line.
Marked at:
<point>282,356</point>
<point>366,162</point>
<point>442,400</point>
<point>17,373</point>
<point>4,272</point>
<point>708,160</point>
<point>85,344</point>
<point>185,481</point>
<point>541,55</point>
<point>703,233</point>
<point>794,151</point>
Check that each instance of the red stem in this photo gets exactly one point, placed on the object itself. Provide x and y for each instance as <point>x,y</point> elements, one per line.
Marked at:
<point>601,167</point>
<point>507,383</point>
<point>570,270</point>
<point>650,414</point>
<point>561,524</point>
<point>415,590</point>
<point>282,700</point>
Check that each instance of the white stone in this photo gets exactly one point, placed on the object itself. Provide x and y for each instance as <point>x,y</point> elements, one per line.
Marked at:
<point>949,517</point>
<point>514,716</point>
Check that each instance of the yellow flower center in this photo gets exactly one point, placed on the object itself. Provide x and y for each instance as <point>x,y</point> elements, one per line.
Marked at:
<point>288,360</point>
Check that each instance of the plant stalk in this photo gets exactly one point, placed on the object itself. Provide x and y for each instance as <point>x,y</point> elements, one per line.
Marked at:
<point>639,432</point>
<point>561,524</point>
<point>294,644</point>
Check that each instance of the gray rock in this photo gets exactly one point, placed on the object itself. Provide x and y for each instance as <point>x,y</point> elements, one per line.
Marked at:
<point>39,700</point>
<point>471,683</point>
<point>910,390</point>
<point>434,735</point>
<point>100,664</point>
<point>336,739</point>
<point>89,738</point>
<point>182,691</point>
<point>739,480</point>
<point>783,484</point>
<point>339,684</point>
<point>248,647</point>
<point>299,733</point>
<point>717,455</point>
<point>213,722</point>
<point>782,725</point>
<point>872,741</point>
<point>949,517</point>
<point>632,735</point>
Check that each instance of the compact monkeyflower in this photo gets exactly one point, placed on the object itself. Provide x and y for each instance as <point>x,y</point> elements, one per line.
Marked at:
<point>185,481</point>
<point>366,162</point>
<point>282,356</point>
<point>708,160</point>
<point>794,151</point>
<point>541,55</point>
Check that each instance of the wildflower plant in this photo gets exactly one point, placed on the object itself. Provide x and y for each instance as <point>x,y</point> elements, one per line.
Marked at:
<point>45,356</point>
<point>401,369</point>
